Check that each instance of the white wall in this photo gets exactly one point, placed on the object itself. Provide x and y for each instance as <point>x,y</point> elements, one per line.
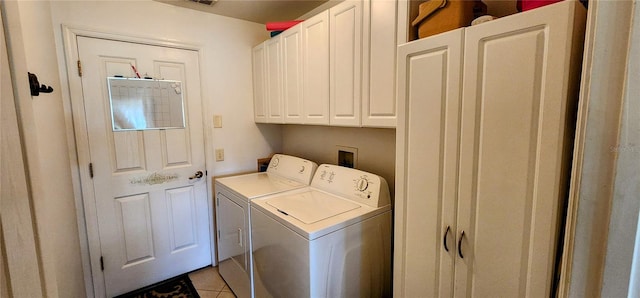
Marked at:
<point>21,266</point>
<point>227,90</point>
<point>47,154</point>
<point>226,66</point>
<point>376,146</point>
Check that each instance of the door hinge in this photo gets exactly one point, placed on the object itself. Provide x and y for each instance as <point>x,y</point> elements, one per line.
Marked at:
<point>91,170</point>
<point>218,234</point>
<point>79,68</point>
<point>102,263</point>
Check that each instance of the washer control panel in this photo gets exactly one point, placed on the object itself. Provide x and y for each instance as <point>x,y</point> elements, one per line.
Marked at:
<point>363,187</point>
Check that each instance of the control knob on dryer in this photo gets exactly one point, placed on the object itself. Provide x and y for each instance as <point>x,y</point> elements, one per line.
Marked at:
<point>274,162</point>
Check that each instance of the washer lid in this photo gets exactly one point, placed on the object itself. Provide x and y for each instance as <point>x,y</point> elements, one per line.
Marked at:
<point>259,184</point>
<point>312,206</point>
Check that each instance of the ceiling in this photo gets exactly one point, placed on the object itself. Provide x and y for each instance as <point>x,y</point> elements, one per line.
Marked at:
<point>263,11</point>
<point>259,11</point>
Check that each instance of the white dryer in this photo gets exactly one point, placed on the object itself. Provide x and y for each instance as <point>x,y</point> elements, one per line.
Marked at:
<point>332,239</point>
<point>233,215</point>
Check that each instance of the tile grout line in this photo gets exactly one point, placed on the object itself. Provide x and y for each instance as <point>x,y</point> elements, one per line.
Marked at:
<point>210,274</point>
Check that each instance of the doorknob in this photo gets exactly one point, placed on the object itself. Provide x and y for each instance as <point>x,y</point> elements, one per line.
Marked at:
<point>197,175</point>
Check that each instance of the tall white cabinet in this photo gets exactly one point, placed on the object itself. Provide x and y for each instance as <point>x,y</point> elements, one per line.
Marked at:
<point>483,147</point>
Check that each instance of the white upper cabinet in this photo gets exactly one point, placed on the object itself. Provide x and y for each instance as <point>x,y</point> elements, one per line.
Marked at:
<point>274,80</point>
<point>292,75</point>
<point>336,68</point>
<point>483,165</point>
<point>259,84</point>
<point>380,39</point>
<point>267,82</point>
<point>364,38</point>
<point>315,65</point>
<point>345,56</point>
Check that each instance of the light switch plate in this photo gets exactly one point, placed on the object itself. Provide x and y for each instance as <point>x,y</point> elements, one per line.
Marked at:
<point>219,154</point>
<point>217,121</point>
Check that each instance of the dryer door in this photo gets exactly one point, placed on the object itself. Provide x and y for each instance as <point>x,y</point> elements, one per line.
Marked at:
<point>232,232</point>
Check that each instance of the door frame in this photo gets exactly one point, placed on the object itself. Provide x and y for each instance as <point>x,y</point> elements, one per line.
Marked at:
<point>78,143</point>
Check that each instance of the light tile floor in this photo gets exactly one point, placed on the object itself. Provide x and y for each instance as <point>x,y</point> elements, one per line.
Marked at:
<point>210,284</point>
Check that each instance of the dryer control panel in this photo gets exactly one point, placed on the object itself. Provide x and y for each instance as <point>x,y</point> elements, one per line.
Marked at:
<point>292,167</point>
<point>363,187</point>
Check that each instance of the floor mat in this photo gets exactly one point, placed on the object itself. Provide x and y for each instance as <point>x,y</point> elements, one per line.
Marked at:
<point>177,287</point>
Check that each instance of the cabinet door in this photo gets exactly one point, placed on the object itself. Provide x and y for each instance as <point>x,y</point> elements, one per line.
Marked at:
<point>345,22</point>
<point>514,149</point>
<point>379,63</point>
<point>274,80</point>
<point>315,67</point>
<point>259,93</point>
<point>427,136</point>
<point>292,75</point>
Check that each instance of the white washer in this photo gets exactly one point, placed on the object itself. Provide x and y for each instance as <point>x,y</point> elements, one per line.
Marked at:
<point>233,214</point>
<point>331,239</point>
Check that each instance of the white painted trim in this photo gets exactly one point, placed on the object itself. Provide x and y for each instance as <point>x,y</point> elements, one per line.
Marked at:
<point>77,175</point>
<point>593,170</point>
<point>21,259</point>
<point>128,37</point>
<point>403,21</point>
<point>578,153</point>
<point>78,145</point>
<point>623,226</point>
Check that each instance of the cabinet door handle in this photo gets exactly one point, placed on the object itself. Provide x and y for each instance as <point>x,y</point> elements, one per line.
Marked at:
<point>444,239</point>
<point>460,245</point>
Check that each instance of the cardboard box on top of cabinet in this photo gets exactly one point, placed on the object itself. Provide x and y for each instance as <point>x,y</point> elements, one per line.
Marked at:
<point>437,16</point>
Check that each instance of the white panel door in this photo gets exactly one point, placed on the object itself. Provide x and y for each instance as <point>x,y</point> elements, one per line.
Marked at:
<point>345,56</point>
<point>513,134</point>
<point>153,220</point>
<point>274,80</point>
<point>259,84</point>
<point>292,75</point>
<point>429,77</point>
<point>315,69</point>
